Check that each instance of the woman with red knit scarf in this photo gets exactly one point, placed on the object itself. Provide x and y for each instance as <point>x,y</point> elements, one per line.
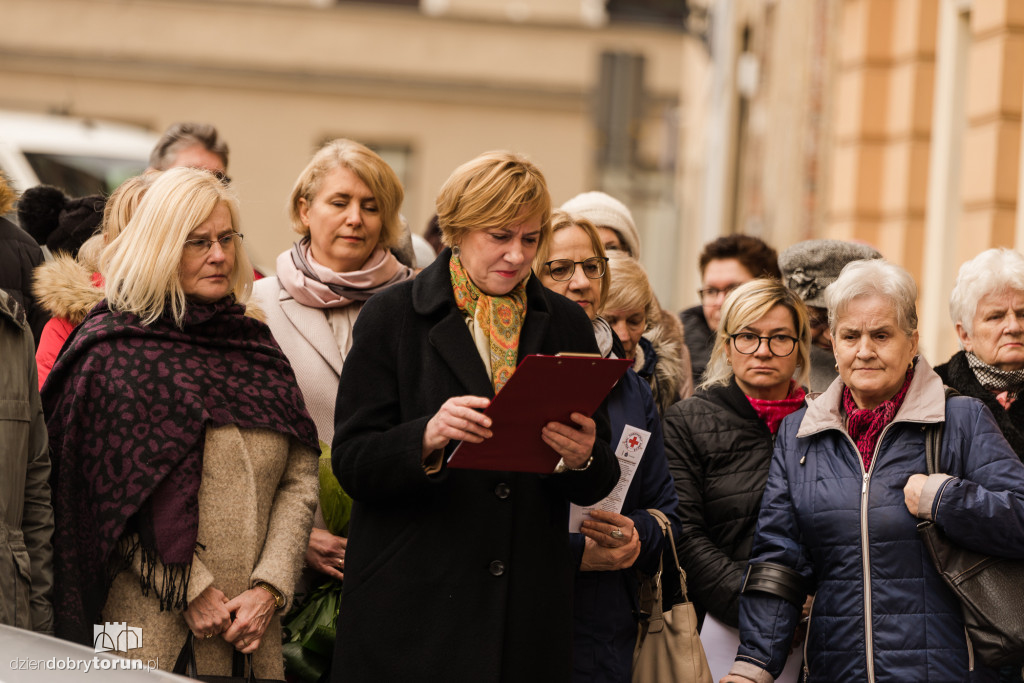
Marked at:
<point>846,490</point>
<point>719,444</point>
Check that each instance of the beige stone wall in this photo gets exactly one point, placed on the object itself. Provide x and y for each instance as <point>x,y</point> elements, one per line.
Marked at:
<point>929,188</point>
<point>279,77</point>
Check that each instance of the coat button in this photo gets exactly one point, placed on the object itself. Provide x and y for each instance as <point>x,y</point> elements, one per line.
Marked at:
<point>497,568</point>
<point>502,490</point>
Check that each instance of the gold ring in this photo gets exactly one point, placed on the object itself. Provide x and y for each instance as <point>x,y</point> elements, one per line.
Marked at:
<point>616,533</point>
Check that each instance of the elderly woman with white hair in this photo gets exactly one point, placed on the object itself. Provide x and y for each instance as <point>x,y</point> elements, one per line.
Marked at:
<point>987,307</point>
<point>184,462</point>
<point>846,491</point>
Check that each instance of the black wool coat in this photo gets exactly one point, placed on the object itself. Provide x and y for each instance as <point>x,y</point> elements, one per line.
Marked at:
<point>958,374</point>
<point>718,454</point>
<point>462,575</point>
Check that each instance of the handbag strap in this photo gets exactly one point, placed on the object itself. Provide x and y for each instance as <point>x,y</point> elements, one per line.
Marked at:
<point>186,662</point>
<point>933,439</point>
<point>666,530</point>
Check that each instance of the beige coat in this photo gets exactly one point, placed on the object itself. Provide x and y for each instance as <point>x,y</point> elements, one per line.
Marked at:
<point>256,505</point>
<point>313,349</point>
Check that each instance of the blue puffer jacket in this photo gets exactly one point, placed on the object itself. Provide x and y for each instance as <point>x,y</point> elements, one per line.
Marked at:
<point>851,535</point>
<point>605,603</point>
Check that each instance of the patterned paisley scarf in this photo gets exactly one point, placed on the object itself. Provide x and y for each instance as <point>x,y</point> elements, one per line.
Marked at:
<point>865,426</point>
<point>1005,384</point>
<point>499,317</point>
<point>127,409</point>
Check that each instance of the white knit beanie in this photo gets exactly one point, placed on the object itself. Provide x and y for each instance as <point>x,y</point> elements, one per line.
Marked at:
<point>605,211</point>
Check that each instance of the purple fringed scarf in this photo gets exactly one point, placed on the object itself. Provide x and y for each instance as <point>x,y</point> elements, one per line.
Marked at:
<point>127,409</point>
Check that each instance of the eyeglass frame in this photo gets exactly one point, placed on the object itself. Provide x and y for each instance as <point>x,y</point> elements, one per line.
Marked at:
<point>762,338</point>
<point>603,260</point>
<point>724,292</point>
<point>196,245</point>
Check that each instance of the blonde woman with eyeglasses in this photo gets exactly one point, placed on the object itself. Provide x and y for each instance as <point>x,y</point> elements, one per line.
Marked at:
<point>184,462</point>
<point>719,444</point>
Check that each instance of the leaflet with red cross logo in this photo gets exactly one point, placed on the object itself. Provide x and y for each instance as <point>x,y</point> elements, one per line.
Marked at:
<point>632,445</point>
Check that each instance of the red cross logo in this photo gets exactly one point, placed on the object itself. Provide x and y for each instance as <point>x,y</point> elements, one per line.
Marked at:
<point>634,443</point>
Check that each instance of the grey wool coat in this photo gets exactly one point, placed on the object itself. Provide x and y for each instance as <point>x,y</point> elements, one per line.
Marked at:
<point>461,575</point>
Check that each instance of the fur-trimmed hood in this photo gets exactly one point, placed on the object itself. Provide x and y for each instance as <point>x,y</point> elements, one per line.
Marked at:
<point>7,195</point>
<point>64,287</point>
<point>659,361</point>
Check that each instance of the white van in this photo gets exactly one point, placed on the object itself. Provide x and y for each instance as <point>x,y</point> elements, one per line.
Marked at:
<point>80,156</point>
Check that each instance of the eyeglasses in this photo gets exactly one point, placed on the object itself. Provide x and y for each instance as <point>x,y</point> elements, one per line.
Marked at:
<point>562,269</point>
<point>748,343</point>
<point>715,292</point>
<point>201,247</point>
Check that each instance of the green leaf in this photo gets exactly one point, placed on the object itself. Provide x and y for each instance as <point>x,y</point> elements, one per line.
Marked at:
<point>334,502</point>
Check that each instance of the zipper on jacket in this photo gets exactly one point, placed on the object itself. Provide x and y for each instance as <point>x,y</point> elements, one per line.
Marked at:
<point>807,638</point>
<point>970,650</point>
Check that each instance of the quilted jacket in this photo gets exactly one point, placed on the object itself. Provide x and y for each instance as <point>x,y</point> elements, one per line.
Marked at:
<point>881,612</point>
<point>718,453</point>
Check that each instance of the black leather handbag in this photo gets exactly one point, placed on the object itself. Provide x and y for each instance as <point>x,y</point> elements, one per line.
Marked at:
<point>241,666</point>
<point>990,589</point>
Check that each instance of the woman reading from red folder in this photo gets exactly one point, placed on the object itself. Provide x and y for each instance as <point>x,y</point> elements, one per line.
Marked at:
<point>457,574</point>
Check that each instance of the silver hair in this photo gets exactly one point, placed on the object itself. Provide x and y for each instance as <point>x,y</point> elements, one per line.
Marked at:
<point>991,271</point>
<point>874,277</point>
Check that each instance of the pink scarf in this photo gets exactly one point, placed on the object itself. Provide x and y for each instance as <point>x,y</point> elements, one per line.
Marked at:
<point>317,286</point>
<point>773,412</point>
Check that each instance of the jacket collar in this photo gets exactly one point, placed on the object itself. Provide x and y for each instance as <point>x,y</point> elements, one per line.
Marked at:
<point>432,297</point>
<point>925,403</point>
<point>311,324</point>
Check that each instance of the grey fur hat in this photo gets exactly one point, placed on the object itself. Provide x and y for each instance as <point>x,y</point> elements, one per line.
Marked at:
<point>811,266</point>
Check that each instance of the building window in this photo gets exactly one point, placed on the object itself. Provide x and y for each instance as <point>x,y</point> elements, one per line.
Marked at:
<point>670,13</point>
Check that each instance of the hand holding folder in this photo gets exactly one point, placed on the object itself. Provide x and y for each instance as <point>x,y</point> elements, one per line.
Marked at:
<point>543,389</point>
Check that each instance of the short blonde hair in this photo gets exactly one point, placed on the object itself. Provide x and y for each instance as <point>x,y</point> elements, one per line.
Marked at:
<point>562,219</point>
<point>490,191</point>
<point>631,288</point>
<point>369,168</point>
<point>747,304</point>
<point>141,266</point>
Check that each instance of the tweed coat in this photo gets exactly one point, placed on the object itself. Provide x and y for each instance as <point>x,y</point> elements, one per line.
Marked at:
<point>256,505</point>
<point>462,575</point>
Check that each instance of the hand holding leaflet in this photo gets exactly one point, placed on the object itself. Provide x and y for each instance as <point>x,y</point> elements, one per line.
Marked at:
<point>632,445</point>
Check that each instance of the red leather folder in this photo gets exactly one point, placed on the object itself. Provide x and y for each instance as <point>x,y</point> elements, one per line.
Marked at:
<point>542,389</point>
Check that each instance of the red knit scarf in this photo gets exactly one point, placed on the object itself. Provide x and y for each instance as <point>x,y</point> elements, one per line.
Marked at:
<point>773,412</point>
<point>865,426</point>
